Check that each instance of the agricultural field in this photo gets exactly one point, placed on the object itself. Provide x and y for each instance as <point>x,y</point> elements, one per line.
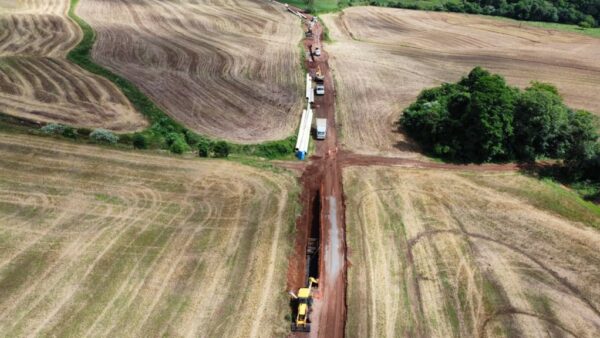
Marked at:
<point>37,83</point>
<point>99,242</point>
<point>438,253</point>
<point>229,70</point>
<point>382,58</point>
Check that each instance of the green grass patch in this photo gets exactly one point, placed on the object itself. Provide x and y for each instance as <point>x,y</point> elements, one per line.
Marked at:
<point>108,199</point>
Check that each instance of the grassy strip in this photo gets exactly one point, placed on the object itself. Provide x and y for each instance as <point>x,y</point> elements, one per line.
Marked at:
<point>163,129</point>
<point>593,32</point>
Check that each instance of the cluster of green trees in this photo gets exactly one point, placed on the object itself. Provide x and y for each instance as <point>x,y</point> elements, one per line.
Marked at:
<point>482,119</point>
<point>585,13</point>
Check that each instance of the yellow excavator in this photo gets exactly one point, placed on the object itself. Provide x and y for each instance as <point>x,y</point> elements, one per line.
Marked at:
<point>302,322</point>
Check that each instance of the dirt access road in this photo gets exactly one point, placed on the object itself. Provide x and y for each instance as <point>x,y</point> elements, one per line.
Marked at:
<point>324,207</point>
<point>322,201</point>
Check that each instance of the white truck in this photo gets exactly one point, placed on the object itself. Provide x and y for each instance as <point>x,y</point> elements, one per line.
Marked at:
<point>321,129</point>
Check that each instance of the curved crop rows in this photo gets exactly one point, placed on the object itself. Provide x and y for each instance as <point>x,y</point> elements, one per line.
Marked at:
<point>383,57</point>
<point>38,84</point>
<point>104,243</point>
<point>227,69</point>
<point>442,254</point>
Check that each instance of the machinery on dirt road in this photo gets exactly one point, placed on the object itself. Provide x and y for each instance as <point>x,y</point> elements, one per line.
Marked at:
<point>304,298</point>
<point>319,75</point>
<point>320,80</point>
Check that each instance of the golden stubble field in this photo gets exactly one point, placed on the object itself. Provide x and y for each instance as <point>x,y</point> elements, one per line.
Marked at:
<point>383,57</point>
<point>448,253</point>
<point>106,243</point>
<point>37,83</point>
<point>227,69</point>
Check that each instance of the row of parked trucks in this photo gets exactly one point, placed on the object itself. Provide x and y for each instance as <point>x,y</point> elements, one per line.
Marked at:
<point>304,132</point>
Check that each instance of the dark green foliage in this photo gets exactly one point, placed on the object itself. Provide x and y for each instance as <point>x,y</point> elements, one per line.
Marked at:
<point>176,143</point>
<point>221,149</point>
<point>276,149</point>
<point>540,122</point>
<point>204,149</point>
<point>69,132</point>
<point>468,121</point>
<point>585,13</point>
<point>179,146</point>
<point>139,141</point>
<point>84,131</point>
<point>481,119</point>
<point>583,154</point>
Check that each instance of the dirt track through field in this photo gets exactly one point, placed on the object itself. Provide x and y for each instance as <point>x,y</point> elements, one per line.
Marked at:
<point>38,84</point>
<point>439,254</point>
<point>383,57</point>
<point>227,69</point>
<point>108,243</point>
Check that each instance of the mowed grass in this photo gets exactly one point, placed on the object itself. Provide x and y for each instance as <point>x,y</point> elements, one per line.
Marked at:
<point>99,242</point>
<point>448,254</point>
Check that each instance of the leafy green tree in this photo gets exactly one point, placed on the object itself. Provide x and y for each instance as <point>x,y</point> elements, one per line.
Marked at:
<point>140,141</point>
<point>204,148</point>
<point>488,117</point>
<point>221,149</point>
<point>179,146</point>
<point>582,140</point>
<point>540,123</point>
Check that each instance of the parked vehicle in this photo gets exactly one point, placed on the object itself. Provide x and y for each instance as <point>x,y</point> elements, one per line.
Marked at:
<point>321,129</point>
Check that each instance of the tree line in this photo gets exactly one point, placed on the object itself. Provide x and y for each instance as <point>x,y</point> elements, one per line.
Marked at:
<point>585,13</point>
<point>482,119</point>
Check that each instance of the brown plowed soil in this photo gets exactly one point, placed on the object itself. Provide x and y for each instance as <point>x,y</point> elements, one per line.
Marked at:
<point>227,69</point>
<point>470,254</point>
<point>383,57</point>
<point>38,84</point>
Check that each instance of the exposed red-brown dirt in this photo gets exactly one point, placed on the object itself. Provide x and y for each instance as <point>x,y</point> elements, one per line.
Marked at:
<point>322,179</point>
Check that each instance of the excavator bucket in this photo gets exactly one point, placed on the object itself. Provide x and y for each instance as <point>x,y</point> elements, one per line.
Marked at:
<point>302,328</point>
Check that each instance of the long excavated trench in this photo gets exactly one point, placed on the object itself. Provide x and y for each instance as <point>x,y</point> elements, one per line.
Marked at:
<point>320,247</point>
<point>320,243</point>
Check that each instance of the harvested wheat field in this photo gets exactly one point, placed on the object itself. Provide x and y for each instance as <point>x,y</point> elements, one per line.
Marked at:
<point>227,69</point>
<point>455,254</point>
<point>108,243</point>
<point>37,83</point>
<point>383,57</point>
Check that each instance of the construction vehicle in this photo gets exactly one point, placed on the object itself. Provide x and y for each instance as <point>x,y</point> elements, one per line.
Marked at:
<point>319,79</point>
<point>302,322</point>
<point>319,75</point>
